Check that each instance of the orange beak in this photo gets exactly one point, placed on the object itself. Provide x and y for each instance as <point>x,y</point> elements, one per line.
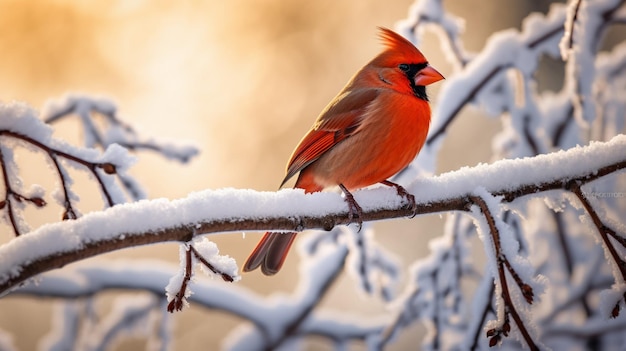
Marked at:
<point>427,75</point>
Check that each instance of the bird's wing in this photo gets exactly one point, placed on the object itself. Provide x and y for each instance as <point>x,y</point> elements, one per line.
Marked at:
<point>339,120</point>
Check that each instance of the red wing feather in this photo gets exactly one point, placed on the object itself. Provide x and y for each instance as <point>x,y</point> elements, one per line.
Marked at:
<point>314,144</point>
<point>340,119</point>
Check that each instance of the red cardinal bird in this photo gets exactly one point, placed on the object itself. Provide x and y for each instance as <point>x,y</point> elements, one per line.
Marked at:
<point>370,131</point>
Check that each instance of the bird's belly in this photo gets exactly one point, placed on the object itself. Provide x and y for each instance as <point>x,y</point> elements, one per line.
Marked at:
<point>372,155</point>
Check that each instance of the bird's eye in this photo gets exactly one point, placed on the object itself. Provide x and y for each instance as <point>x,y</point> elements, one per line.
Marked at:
<point>404,67</point>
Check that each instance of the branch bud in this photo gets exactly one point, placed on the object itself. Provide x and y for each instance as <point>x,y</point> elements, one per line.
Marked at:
<point>527,291</point>
<point>39,202</point>
<point>68,214</point>
<point>615,311</point>
<point>108,168</point>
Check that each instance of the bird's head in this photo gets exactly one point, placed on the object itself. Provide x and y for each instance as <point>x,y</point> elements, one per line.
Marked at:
<point>403,66</point>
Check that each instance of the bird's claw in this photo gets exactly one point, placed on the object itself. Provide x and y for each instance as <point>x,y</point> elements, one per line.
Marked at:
<point>405,194</point>
<point>354,209</point>
<point>412,205</point>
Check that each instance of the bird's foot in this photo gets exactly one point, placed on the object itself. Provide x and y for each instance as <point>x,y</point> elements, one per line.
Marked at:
<point>405,194</point>
<point>354,209</point>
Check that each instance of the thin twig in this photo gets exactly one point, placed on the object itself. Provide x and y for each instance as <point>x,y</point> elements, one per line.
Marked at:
<point>501,261</point>
<point>483,319</point>
<point>91,166</point>
<point>570,44</point>
<point>8,193</point>
<point>575,187</point>
<point>69,209</point>
<point>178,301</point>
<point>227,277</point>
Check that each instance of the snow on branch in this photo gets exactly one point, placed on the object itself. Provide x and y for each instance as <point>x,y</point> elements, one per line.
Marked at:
<point>489,206</point>
<point>144,222</point>
<point>484,73</point>
<point>116,131</point>
<point>294,316</point>
<point>19,126</point>
<point>491,80</point>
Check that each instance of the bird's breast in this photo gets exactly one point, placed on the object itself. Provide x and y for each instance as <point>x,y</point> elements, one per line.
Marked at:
<point>392,131</point>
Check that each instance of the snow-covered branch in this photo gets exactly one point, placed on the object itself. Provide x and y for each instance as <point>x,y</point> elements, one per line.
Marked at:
<point>487,204</point>
<point>294,316</point>
<point>147,222</point>
<point>19,126</point>
<point>116,130</point>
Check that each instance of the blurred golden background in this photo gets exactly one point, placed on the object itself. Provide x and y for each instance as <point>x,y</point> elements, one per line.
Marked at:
<point>243,80</point>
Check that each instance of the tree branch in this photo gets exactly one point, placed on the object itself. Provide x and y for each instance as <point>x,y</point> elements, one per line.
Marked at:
<point>108,168</point>
<point>243,210</point>
<point>603,231</point>
<point>474,80</point>
<point>495,334</point>
<point>85,107</point>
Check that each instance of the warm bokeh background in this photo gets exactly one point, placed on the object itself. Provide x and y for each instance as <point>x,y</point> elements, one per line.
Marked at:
<point>243,80</point>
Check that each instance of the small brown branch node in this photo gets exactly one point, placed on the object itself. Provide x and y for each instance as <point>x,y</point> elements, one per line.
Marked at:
<point>328,224</point>
<point>495,334</point>
<point>108,168</point>
<point>299,224</point>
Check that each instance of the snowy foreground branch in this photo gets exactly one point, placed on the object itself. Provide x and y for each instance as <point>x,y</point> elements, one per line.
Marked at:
<point>145,222</point>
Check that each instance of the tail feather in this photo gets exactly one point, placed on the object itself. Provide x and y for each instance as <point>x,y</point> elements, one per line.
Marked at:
<point>258,254</point>
<point>270,253</point>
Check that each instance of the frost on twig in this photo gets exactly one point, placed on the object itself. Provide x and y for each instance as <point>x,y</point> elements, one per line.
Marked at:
<point>200,252</point>
<point>20,127</point>
<point>492,228</point>
<point>78,325</point>
<point>115,130</point>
